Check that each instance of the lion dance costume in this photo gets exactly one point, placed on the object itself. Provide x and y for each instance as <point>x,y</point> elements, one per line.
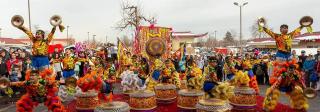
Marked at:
<point>41,89</point>
<point>286,79</point>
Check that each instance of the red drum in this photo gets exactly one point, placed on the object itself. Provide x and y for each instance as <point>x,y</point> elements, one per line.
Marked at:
<point>213,105</point>
<point>166,93</point>
<point>87,100</point>
<point>244,99</point>
<point>115,106</point>
<point>143,100</point>
<point>188,99</point>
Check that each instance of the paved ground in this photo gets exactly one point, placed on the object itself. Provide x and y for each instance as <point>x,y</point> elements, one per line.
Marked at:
<point>314,103</point>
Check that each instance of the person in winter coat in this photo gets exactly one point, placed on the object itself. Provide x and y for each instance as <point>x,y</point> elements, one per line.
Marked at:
<point>317,68</point>
<point>308,68</point>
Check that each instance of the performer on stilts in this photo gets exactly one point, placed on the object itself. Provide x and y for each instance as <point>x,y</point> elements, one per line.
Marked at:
<point>285,76</point>
<point>40,44</point>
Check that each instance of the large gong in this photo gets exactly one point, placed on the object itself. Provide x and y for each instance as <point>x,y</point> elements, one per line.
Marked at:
<point>155,47</point>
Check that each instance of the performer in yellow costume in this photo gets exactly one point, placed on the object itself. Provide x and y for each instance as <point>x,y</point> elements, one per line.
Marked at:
<point>40,44</point>
<point>247,69</point>
<point>68,63</point>
<point>210,73</point>
<point>157,67</point>
<point>195,78</point>
<point>283,41</point>
<point>109,77</point>
<point>169,74</point>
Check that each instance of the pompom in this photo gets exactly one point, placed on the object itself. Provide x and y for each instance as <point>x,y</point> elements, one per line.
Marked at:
<point>90,81</point>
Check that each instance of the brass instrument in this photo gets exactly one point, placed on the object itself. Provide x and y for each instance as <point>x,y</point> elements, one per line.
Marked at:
<point>310,93</point>
<point>306,21</point>
<point>261,21</point>
<point>17,21</point>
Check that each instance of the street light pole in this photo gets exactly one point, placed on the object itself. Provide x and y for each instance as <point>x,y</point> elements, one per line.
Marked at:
<point>88,38</point>
<point>29,15</point>
<point>0,32</point>
<point>215,34</point>
<point>240,6</point>
<point>94,40</point>
<point>240,27</point>
<point>215,38</point>
<point>68,35</point>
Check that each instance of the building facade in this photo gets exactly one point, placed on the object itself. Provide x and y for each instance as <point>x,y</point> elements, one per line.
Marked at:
<point>12,42</point>
<point>179,38</point>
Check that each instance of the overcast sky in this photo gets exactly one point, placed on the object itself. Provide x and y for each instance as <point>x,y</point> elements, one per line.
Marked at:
<point>199,16</point>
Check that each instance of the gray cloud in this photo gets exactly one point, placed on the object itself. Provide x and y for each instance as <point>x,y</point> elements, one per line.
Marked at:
<point>199,16</point>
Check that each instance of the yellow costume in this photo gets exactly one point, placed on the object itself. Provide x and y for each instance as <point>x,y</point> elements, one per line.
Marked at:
<point>196,79</point>
<point>155,76</point>
<point>40,46</point>
<point>172,74</point>
<point>68,63</point>
<point>283,41</point>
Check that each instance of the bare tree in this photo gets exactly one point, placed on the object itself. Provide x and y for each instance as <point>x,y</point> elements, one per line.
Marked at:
<point>132,16</point>
<point>255,33</point>
<point>126,40</point>
<point>201,43</point>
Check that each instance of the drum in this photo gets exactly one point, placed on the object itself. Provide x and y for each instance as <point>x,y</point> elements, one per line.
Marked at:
<point>213,105</point>
<point>115,106</point>
<point>183,84</point>
<point>155,47</point>
<point>188,99</point>
<point>87,100</point>
<point>244,98</point>
<point>143,100</point>
<point>166,93</point>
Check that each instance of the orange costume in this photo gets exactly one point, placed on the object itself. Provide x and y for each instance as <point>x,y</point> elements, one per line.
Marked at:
<point>41,91</point>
